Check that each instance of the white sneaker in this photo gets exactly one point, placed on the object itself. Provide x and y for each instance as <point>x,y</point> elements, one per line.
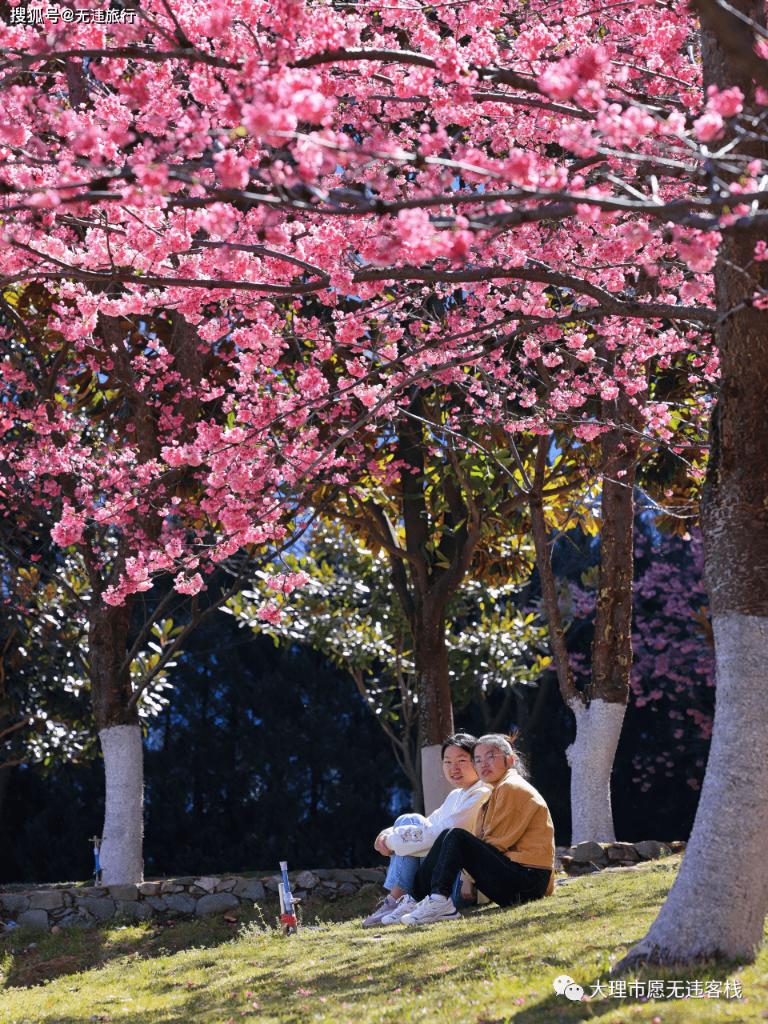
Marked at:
<point>432,908</point>
<point>404,905</point>
<point>384,907</point>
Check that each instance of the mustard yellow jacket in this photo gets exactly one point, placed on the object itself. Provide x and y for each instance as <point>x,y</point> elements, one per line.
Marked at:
<point>516,820</point>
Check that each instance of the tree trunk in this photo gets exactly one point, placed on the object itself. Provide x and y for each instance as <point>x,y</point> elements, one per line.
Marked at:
<point>599,710</point>
<point>433,690</point>
<point>117,723</point>
<point>598,724</point>
<point>718,903</point>
<point>719,900</point>
<point>591,756</point>
<point>121,848</point>
<point>612,643</point>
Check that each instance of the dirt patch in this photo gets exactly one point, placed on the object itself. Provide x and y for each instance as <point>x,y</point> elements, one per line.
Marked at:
<point>25,974</point>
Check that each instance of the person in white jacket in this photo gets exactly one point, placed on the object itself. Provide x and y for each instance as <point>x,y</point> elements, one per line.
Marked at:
<point>412,835</point>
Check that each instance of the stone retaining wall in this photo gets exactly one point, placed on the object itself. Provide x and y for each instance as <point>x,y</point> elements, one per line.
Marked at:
<point>67,906</point>
<point>586,858</point>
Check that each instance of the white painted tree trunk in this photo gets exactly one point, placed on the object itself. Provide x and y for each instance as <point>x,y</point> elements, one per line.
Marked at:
<point>591,757</point>
<point>719,900</point>
<point>121,850</point>
<point>433,783</point>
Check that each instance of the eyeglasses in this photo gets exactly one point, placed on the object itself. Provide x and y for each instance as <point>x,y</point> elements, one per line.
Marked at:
<point>489,758</point>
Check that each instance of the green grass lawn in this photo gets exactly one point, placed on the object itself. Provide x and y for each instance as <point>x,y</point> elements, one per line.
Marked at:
<point>491,967</point>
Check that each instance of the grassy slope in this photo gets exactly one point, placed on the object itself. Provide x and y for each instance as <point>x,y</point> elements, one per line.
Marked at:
<point>492,967</point>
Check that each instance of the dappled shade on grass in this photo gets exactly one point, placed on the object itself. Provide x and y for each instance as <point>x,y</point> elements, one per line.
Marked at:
<point>492,967</point>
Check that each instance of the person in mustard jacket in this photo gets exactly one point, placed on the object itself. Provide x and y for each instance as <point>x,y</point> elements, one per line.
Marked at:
<point>511,856</point>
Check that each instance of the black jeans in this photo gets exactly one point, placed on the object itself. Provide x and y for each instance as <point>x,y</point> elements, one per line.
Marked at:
<point>502,880</point>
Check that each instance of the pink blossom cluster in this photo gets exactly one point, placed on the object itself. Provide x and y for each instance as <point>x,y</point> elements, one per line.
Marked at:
<point>247,256</point>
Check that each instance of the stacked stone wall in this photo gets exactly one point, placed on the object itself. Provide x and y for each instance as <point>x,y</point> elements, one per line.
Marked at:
<point>586,858</point>
<point>67,906</point>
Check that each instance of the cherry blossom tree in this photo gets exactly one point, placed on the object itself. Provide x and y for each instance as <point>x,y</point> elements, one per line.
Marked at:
<point>360,171</point>
<point>295,183</point>
<point>693,922</point>
<point>82,437</point>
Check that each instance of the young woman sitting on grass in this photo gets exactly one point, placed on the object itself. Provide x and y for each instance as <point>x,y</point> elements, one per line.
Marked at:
<point>511,858</point>
<point>412,835</point>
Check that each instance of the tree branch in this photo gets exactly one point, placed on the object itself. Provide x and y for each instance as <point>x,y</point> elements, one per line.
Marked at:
<point>15,728</point>
<point>618,307</point>
<point>501,76</point>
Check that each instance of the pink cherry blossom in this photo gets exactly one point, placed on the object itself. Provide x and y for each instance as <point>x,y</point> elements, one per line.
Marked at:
<point>725,102</point>
<point>709,126</point>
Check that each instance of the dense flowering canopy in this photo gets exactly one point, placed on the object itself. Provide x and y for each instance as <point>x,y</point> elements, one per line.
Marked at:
<point>251,229</point>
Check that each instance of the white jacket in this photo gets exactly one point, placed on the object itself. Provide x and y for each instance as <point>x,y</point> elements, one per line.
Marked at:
<point>459,810</point>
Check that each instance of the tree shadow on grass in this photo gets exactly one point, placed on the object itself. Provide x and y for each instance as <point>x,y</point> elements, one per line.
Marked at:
<point>83,949</point>
<point>79,950</point>
<point>275,999</point>
<point>36,959</point>
<point>286,992</point>
<point>342,983</point>
<point>339,985</point>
